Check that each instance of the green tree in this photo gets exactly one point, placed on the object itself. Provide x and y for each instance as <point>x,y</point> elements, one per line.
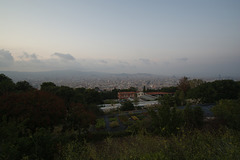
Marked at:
<point>169,89</point>
<point>92,97</point>
<point>17,142</point>
<point>180,97</point>
<point>228,111</point>
<point>40,109</point>
<point>48,87</point>
<point>127,106</point>
<point>183,88</point>
<point>193,117</point>
<point>167,100</point>
<point>184,85</point>
<point>198,116</point>
<point>165,121</point>
<point>212,92</point>
<point>10,132</point>
<point>6,84</point>
<point>79,119</point>
<point>144,89</point>
<point>23,86</point>
<point>195,82</point>
<point>66,93</point>
<point>79,95</point>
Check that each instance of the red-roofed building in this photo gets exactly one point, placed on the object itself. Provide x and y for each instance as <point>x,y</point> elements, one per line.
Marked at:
<point>126,95</point>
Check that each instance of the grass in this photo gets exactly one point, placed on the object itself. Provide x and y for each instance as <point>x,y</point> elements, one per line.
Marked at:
<point>100,123</point>
<point>124,119</point>
<point>114,124</point>
<point>141,116</point>
<point>111,119</point>
<point>194,145</point>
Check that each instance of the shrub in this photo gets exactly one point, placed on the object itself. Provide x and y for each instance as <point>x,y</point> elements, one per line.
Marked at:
<point>193,117</point>
<point>114,124</point>
<point>41,109</point>
<point>222,144</point>
<point>229,112</point>
<point>165,121</point>
<point>100,123</point>
<point>124,119</point>
<point>127,106</point>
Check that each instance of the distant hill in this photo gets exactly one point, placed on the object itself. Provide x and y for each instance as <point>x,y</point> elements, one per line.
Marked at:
<point>71,74</point>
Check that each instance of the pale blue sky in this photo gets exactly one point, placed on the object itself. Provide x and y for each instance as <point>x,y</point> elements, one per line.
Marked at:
<point>154,36</point>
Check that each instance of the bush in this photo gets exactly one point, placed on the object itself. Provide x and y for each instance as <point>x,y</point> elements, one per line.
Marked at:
<point>165,121</point>
<point>229,112</point>
<point>40,109</point>
<point>194,145</point>
<point>17,142</point>
<point>127,106</point>
<point>193,117</point>
<point>100,123</point>
<point>124,119</point>
<point>114,124</point>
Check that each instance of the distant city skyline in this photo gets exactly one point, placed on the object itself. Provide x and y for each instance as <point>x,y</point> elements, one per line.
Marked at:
<point>164,37</point>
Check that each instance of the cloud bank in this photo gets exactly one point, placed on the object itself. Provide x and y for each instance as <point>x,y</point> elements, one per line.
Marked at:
<point>168,66</point>
<point>6,58</point>
<point>67,57</point>
<point>29,57</point>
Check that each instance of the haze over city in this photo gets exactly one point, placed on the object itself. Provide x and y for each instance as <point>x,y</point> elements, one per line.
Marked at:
<point>165,37</point>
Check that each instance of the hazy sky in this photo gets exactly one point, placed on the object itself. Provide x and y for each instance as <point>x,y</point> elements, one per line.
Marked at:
<point>186,37</point>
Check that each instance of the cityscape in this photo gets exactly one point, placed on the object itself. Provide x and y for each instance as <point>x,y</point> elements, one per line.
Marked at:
<point>104,81</point>
<point>120,80</point>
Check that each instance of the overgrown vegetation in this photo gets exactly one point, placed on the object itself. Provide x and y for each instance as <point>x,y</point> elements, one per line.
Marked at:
<point>197,144</point>
<point>100,124</point>
<point>54,123</point>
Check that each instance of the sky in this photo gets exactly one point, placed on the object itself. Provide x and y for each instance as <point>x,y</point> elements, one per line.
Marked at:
<point>164,37</point>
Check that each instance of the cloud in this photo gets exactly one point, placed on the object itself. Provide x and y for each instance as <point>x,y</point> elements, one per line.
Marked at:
<point>173,66</point>
<point>183,59</point>
<point>29,57</point>
<point>103,61</point>
<point>67,57</point>
<point>145,61</point>
<point>6,59</point>
<point>123,62</point>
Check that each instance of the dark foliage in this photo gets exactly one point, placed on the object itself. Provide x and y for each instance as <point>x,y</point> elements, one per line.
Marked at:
<point>40,109</point>
<point>212,92</point>
<point>23,86</point>
<point>6,84</point>
<point>228,111</point>
<point>164,89</point>
<point>167,100</point>
<point>165,121</point>
<point>193,117</point>
<point>127,106</point>
<point>184,85</point>
<point>110,94</point>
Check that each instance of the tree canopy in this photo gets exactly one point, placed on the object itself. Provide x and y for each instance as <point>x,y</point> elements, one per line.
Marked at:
<point>40,109</point>
<point>212,92</point>
<point>6,84</point>
<point>127,106</point>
